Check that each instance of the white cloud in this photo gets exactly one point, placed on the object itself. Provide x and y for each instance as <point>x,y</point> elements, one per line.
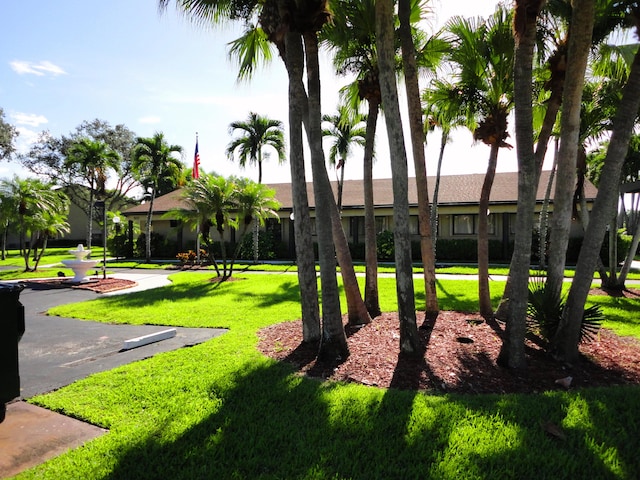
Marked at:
<point>40,69</point>
<point>30,119</point>
<point>150,119</point>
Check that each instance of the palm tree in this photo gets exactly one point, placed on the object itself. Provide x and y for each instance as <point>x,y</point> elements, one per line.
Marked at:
<point>91,159</point>
<point>254,202</point>
<point>441,112</point>
<point>512,353</point>
<point>41,211</point>
<point>346,130</point>
<point>409,339</point>
<point>482,52</point>
<point>351,36</point>
<point>565,342</point>
<point>430,57</point>
<point>153,160</point>
<point>256,133</point>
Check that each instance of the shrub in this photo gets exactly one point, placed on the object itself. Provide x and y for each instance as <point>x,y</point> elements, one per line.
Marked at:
<point>386,248</point>
<point>545,308</point>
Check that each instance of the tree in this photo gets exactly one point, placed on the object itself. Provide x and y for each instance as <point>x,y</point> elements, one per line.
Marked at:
<point>8,134</point>
<point>418,137</point>
<point>153,160</point>
<point>47,158</point>
<point>565,342</point>
<point>512,353</point>
<point>409,339</point>
<point>254,203</point>
<point>256,133</point>
<point>482,52</point>
<point>351,35</point>
<point>345,129</point>
<point>89,161</point>
<point>40,212</point>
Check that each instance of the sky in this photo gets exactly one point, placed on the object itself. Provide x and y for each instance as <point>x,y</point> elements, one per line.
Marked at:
<point>122,61</point>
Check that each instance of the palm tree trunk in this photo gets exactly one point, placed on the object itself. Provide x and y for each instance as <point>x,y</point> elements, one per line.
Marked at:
<point>371,297</point>
<point>409,338</point>
<point>512,353</point>
<point>341,183</point>
<point>567,336</point>
<point>436,192</point>
<point>307,279</point>
<point>484,295</point>
<point>148,226</point>
<point>417,142</point>
<point>90,219</point>
<point>577,56</point>
<point>334,341</point>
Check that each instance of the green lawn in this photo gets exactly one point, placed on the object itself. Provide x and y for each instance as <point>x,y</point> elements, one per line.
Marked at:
<point>222,410</point>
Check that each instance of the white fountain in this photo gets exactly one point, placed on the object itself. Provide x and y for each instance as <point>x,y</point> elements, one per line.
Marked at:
<point>80,265</point>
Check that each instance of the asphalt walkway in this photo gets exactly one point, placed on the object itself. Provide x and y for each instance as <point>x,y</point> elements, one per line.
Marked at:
<point>56,351</point>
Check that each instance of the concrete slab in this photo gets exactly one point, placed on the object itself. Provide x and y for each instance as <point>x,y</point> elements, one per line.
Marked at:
<point>31,435</point>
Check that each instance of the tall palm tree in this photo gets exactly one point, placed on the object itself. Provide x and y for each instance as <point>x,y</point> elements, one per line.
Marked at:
<point>565,342</point>
<point>512,353</point>
<point>346,130</point>
<point>351,37</point>
<point>153,160</point>
<point>482,52</point>
<point>443,113</point>
<point>431,54</point>
<point>256,133</point>
<point>91,159</point>
<point>409,339</point>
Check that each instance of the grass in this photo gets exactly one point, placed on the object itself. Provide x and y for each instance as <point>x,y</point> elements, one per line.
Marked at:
<point>222,410</point>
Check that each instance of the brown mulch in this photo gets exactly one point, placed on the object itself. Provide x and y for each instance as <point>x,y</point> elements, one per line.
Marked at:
<point>96,284</point>
<point>460,357</point>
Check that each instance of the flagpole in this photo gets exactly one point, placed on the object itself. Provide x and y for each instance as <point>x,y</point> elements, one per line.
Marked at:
<point>196,174</point>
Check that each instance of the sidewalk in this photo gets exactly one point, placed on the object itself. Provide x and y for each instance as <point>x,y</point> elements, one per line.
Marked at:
<point>56,351</point>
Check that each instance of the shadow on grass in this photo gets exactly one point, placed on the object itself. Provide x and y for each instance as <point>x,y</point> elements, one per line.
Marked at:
<point>272,424</point>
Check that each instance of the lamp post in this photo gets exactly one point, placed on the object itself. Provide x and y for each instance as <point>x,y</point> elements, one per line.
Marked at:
<point>100,204</point>
<point>116,222</point>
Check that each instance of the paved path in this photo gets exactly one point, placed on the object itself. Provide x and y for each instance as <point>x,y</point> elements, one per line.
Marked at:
<point>56,351</point>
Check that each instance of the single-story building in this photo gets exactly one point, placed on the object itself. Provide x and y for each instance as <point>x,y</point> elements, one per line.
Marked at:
<point>457,210</point>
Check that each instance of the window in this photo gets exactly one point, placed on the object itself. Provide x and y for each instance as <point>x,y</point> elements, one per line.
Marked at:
<point>468,224</point>
<point>174,223</point>
<point>464,224</point>
<point>414,225</point>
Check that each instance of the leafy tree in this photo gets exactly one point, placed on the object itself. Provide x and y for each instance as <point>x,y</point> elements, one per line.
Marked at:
<point>256,133</point>
<point>47,159</point>
<point>89,160</point>
<point>153,160</point>
<point>345,129</point>
<point>8,134</point>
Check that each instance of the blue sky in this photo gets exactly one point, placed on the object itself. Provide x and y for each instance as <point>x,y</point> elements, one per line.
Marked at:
<point>67,61</point>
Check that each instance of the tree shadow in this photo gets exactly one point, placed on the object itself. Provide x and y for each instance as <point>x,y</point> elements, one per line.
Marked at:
<point>271,424</point>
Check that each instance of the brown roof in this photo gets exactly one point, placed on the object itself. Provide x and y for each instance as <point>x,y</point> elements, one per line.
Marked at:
<point>454,190</point>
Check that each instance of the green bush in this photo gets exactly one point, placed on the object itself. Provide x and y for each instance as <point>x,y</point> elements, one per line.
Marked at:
<point>267,246</point>
<point>386,249</point>
<point>160,246</point>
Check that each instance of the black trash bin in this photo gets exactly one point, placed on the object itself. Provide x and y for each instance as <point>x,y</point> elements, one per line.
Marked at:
<point>11,331</point>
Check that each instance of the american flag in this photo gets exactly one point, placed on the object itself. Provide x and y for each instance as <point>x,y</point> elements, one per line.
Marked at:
<point>196,163</point>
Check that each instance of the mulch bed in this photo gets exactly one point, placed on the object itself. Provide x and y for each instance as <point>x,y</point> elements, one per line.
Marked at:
<point>460,356</point>
<point>99,285</point>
